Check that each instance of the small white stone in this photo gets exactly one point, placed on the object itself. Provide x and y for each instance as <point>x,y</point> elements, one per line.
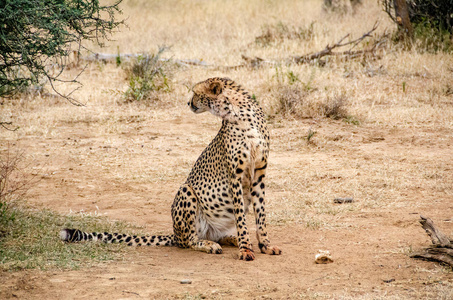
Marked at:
<point>186,281</point>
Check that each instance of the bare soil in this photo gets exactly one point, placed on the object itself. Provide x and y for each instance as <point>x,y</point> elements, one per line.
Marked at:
<point>394,175</point>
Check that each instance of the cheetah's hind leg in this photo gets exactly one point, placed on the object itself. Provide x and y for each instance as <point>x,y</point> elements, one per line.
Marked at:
<point>184,214</point>
<point>229,240</point>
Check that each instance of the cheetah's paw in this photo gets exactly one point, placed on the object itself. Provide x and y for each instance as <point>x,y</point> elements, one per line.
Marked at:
<point>215,248</point>
<point>271,250</point>
<point>246,254</point>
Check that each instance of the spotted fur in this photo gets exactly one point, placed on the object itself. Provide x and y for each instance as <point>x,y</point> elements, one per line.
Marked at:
<point>210,207</point>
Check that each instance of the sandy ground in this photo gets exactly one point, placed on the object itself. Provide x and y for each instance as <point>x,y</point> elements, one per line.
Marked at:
<point>394,176</point>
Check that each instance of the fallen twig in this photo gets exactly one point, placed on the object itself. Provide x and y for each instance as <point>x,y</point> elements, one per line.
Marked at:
<point>343,200</point>
<point>6,125</point>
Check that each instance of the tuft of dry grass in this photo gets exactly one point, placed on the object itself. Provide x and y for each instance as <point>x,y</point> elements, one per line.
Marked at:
<point>277,33</point>
<point>335,107</point>
<point>295,101</point>
<point>291,97</point>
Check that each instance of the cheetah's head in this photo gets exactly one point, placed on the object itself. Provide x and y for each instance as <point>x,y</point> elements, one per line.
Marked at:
<point>214,95</point>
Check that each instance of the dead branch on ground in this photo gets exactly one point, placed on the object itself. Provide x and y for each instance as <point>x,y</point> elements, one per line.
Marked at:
<point>328,50</point>
<point>442,248</point>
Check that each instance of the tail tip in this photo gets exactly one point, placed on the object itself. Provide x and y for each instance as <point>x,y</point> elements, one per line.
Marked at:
<point>65,235</point>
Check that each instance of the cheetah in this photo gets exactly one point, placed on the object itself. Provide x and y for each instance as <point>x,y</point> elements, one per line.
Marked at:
<point>210,208</point>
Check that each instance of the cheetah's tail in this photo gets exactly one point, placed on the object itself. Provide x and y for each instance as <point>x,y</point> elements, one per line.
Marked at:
<point>76,235</point>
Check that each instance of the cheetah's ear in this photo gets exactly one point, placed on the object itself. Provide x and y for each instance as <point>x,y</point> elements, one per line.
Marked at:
<point>215,88</point>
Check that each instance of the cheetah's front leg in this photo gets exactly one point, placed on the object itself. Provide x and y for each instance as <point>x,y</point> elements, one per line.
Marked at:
<point>258,193</point>
<point>243,239</point>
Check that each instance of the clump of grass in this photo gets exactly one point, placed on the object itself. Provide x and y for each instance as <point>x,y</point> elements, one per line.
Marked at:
<point>298,102</point>
<point>147,73</point>
<point>290,100</point>
<point>289,92</point>
<point>341,7</point>
<point>278,32</point>
<point>310,134</point>
<point>293,97</point>
<point>30,238</point>
<point>334,107</point>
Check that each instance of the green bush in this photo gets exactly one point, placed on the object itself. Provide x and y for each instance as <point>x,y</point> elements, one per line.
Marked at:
<point>432,37</point>
<point>433,13</point>
<point>37,34</point>
<point>432,21</point>
<point>147,73</point>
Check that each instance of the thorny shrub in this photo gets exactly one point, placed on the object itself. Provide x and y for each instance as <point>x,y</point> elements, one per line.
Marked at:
<point>14,183</point>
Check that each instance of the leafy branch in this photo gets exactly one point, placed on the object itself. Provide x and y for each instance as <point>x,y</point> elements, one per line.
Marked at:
<point>36,37</point>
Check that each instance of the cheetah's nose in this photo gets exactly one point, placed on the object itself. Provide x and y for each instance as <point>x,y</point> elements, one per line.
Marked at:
<point>193,107</point>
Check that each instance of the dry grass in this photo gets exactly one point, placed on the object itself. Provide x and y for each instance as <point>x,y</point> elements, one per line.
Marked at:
<point>371,87</point>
